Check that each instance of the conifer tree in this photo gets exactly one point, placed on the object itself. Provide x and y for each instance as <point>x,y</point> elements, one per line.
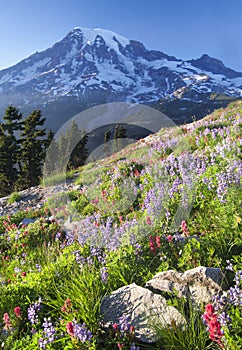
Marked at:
<point>119,135</point>
<point>106,146</point>
<point>63,154</point>
<point>52,155</point>
<point>4,183</point>
<point>33,148</point>
<point>77,140</point>
<point>10,143</point>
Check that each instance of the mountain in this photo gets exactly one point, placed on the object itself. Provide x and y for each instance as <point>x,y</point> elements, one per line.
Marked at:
<point>95,66</point>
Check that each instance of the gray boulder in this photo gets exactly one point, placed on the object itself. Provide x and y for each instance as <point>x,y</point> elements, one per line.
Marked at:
<point>200,283</point>
<point>144,309</point>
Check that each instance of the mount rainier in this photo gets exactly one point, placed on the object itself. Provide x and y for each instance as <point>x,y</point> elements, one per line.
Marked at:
<point>95,66</point>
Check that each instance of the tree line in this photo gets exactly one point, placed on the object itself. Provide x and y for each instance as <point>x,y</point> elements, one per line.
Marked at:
<point>23,149</point>
<point>23,143</point>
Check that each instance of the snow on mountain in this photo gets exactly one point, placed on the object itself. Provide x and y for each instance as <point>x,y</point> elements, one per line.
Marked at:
<point>93,66</point>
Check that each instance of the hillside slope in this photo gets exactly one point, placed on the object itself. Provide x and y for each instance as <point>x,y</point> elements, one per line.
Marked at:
<point>171,201</point>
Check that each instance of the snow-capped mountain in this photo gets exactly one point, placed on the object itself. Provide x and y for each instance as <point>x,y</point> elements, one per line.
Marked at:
<point>93,66</point>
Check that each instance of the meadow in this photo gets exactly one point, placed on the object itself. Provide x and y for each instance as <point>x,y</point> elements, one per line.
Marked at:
<point>173,203</point>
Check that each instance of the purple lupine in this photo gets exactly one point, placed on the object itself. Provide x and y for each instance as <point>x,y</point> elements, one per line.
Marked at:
<point>42,343</point>
<point>49,333</point>
<point>235,293</point>
<point>133,347</point>
<point>229,266</point>
<point>224,319</point>
<point>104,273</point>
<point>32,312</point>
<point>38,267</point>
<point>80,259</point>
<point>124,323</point>
<point>138,249</point>
<point>81,332</point>
<point>220,302</point>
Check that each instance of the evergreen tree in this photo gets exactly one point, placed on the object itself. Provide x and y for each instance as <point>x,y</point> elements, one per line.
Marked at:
<point>63,154</point>
<point>106,146</point>
<point>77,140</point>
<point>4,183</point>
<point>52,155</point>
<point>33,148</point>
<point>12,124</point>
<point>119,134</point>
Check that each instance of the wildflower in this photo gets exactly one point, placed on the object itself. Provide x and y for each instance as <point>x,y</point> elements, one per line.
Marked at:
<point>38,267</point>
<point>32,312</point>
<point>124,323</point>
<point>6,320</point>
<point>67,305</point>
<point>104,274</point>
<point>138,250</point>
<point>133,347</point>
<point>42,343</point>
<point>17,311</point>
<point>68,302</point>
<point>169,238</point>
<point>148,220</point>
<point>49,330</point>
<point>152,245</point>
<point>82,333</point>
<point>120,346</point>
<point>115,326</point>
<point>78,331</point>
<point>23,274</point>
<point>158,241</point>
<point>184,228</point>
<point>224,319</point>
<point>214,326</point>
<point>229,266</point>
<point>69,329</point>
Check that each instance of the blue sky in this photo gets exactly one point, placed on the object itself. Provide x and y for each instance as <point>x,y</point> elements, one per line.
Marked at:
<point>185,29</point>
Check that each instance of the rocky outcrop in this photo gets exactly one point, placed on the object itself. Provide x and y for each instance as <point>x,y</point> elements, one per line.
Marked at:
<point>199,284</point>
<point>147,307</point>
<point>142,307</point>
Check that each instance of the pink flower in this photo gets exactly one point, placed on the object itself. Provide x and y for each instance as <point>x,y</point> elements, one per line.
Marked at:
<point>6,320</point>
<point>63,308</point>
<point>184,228</point>
<point>17,311</point>
<point>158,241</point>
<point>209,309</point>
<point>169,238</point>
<point>148,220</point>
<point>68,302</point>
<point>115,326</point>
<point>214,326</point>
<point>152,245</point>
<point>69,329</point>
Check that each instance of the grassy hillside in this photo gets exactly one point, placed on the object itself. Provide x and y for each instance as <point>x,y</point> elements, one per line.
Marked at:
<point>170,201</point>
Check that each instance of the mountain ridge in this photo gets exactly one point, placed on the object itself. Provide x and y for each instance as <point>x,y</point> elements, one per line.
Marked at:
<point>95,66</point>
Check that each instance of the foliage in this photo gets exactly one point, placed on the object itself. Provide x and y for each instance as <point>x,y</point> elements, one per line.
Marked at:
<point>126,228</point>
<point>14,197</point>
<point>22,150</point>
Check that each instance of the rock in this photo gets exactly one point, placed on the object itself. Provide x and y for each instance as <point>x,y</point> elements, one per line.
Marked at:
<point>200,283</point>
<point>143,308</point>
<point>26,222</point>
<point>77,188</point>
